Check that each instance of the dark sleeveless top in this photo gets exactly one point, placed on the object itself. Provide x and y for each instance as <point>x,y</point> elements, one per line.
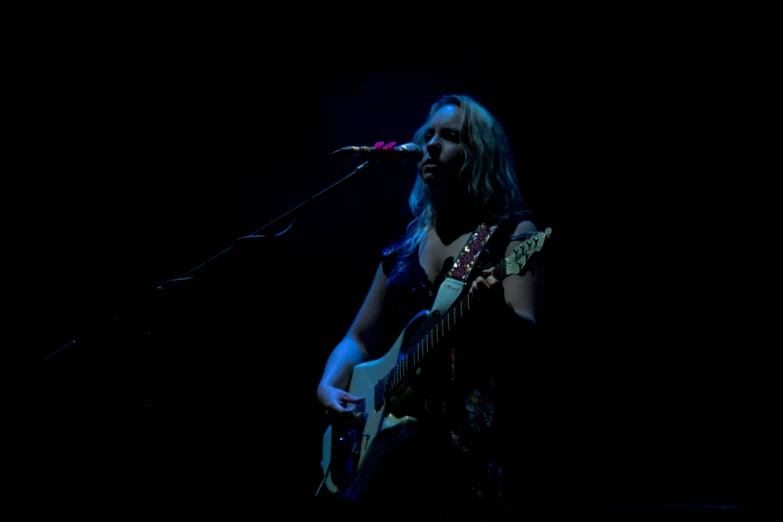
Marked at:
<point>469,393</point>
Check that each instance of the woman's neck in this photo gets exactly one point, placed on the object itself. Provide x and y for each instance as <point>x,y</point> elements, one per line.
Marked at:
<point>451,222</point>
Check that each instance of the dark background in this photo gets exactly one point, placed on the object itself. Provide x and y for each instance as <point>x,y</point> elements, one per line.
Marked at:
<point>202,391</point>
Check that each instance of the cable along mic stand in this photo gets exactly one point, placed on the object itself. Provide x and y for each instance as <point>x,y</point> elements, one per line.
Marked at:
<point>179,289</point>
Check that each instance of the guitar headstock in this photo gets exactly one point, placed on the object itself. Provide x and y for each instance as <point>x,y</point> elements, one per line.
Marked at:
<point>519,257</point>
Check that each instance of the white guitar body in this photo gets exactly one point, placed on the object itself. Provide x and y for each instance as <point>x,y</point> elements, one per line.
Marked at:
<point>364,381</point>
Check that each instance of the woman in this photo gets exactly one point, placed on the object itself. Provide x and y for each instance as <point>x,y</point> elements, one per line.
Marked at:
<point>456,452</point>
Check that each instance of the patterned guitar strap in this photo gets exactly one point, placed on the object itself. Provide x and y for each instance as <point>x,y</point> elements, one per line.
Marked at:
<point>452,285</point>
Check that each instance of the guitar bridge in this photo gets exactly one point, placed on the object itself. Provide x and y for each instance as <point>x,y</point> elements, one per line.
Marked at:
<point>344,456</point>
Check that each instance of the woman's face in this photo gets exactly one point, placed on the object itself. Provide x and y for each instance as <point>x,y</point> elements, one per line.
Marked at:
<point>443,155</point>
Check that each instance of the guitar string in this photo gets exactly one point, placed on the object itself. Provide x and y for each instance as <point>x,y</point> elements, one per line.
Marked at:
<point>426,344</point>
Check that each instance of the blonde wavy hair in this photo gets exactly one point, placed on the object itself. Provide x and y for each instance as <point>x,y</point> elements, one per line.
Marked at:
<point>487,173</point>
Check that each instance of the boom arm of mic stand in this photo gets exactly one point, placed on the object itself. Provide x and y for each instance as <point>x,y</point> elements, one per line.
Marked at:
<point>306,202</point>
<point>297,208</point>
<point>188,277</point>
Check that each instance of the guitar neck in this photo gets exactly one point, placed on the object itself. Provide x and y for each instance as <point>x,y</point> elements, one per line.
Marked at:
<point>432,340</point>
<point>447,325</point>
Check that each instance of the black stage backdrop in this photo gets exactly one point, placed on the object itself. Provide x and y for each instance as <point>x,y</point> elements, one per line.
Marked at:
<point>181,361</point>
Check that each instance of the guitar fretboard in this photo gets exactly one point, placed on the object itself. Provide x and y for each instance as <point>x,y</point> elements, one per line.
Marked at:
<point>448,324</point>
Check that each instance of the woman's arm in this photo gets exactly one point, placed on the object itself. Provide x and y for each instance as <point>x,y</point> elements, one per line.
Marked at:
<point>362,339</point>
<point>518,291</point>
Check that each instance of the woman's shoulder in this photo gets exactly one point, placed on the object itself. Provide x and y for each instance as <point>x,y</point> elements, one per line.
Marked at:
<point>524,229</point>
<point>517,226</point>
<point>392,254</point>
<point>393,248</point>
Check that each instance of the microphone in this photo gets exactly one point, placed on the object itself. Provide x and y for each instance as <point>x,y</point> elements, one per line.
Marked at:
<point>389,151</point>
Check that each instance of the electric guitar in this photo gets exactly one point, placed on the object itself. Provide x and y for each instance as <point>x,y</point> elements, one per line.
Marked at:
<point>382,382</point>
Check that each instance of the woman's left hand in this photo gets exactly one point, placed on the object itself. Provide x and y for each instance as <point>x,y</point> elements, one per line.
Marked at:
<point>483,283</point>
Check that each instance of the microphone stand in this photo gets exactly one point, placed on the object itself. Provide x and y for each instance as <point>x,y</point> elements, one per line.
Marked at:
<point>300,206</point>
<point>191,275</point>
